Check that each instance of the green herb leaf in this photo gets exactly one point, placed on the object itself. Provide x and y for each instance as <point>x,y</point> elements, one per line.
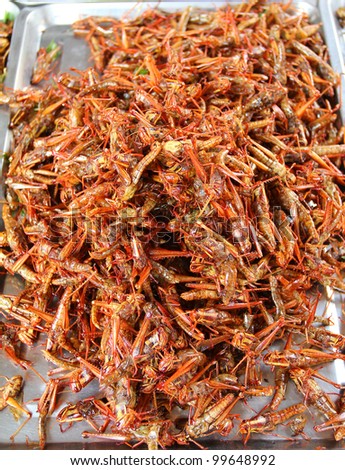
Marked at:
<point>8,17</point>
<point>51,46</point>
<point>142,72</point>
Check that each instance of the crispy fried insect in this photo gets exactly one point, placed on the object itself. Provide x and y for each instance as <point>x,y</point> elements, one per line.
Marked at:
<point>172,210</point>
<point>8,397</point>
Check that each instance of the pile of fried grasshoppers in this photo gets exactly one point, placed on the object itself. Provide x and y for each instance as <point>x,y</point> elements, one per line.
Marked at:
<point>176,211</point>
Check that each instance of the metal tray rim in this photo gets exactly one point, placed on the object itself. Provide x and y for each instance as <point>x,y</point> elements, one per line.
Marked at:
<point>22,24</point>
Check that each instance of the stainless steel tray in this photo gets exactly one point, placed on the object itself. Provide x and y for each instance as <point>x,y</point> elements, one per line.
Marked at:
<point>66,2</point>
<point>335,38</point>
<point>62,2</point>
<point>36,28</point>
<point>5,7</point>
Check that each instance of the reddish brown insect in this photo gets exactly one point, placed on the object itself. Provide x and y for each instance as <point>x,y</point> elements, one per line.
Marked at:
<point>170,210</point>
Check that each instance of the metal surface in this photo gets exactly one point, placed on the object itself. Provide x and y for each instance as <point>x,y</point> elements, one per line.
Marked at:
<point>5,7</point>
<point>36,28</point>
<point>31,3</point>
<point>64,2</point>
<point>335,38</point>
